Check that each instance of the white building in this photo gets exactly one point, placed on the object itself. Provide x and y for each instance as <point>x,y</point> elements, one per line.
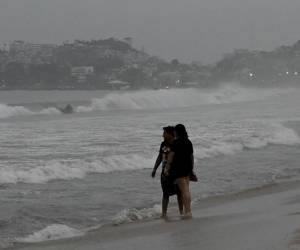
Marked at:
<point>82,73</point>
<point>117,84</point>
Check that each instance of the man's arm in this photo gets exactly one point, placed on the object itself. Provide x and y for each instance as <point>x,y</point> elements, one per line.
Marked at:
<point>156,165</point>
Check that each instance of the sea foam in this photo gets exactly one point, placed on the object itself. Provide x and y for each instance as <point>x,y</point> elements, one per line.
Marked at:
<point>249,134</point>
<point>206,145</point>
<point>157,99</point>
<point>134,214</point>
<point>12,111</point>
<point>172,98</point>
<point>8,111</point>
<point>52,232</point>
<point>71,169</point>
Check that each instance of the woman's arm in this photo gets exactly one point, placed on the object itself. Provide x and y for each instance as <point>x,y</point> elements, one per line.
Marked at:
<point>192,161</point>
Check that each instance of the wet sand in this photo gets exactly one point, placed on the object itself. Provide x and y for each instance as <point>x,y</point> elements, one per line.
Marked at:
<point>259,219</point>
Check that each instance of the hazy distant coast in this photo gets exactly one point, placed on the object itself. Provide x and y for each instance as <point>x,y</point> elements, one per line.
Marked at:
<point>115,64</point>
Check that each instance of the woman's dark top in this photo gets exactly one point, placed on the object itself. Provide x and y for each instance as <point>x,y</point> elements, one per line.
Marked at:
<point>182,164</point>
<point>167,182</point>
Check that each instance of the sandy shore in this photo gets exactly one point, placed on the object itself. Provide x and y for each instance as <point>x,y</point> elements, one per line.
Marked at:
<point>260,219</point>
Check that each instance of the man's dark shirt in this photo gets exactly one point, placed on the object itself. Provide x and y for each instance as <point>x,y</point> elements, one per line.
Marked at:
<point>164,150</point>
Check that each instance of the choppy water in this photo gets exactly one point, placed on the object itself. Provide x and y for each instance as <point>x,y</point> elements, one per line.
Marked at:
<point>61,175</point>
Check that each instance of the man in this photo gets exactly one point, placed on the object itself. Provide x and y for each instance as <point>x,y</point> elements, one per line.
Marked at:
<point>179,166</point>
<point>167,182</point>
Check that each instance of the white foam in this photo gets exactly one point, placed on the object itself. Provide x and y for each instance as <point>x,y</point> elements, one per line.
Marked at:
<point>208,142</point>
<point>172,98</point>
<point>250,134</point>
<point>283,135</point>
<point>158,99</point>
<point>52,232</point>
<point>49,111</point>
<point>9,111</point>
<point>66,170</point>
<point>133,214</point>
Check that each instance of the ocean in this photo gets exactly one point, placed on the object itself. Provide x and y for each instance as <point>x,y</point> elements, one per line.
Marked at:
<point>62,175</point>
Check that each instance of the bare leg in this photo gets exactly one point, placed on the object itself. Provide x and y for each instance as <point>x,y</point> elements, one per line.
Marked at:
<point>165,203</point>
<point>180,204</point>
<point>186,195</point>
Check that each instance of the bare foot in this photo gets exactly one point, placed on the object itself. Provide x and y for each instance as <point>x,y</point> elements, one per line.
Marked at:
<point>164,216</point>
<point>187,216</point>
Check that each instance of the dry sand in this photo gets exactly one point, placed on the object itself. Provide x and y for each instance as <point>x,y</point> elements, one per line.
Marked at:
<point>260,219</point>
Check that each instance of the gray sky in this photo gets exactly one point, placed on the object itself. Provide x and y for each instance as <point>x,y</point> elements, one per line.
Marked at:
<point>189,30</point>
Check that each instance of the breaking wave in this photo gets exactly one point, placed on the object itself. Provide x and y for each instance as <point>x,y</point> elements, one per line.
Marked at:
<point>67,170</point>
<point>11,111</point>
<point>8,111</point>
<point>156,99</point>
<point>134,214</point>
<point>52,232</point>
<point>61,231</point>
<point>175,98</point>
<point>254,135</point>
<point>219,141</point>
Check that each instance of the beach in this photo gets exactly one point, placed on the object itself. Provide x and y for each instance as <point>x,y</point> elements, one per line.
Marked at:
<point>263,218</point>
<point>83,180</point>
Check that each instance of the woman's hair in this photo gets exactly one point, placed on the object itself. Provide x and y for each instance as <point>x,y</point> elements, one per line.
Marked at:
<point>181,131</point>
<point>169,130</point>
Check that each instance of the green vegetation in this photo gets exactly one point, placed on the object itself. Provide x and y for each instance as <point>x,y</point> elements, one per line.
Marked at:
<point>280,66</point>
<point>42,66</point>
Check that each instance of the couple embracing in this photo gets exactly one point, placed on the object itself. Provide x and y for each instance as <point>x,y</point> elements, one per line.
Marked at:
<point>177,160</point>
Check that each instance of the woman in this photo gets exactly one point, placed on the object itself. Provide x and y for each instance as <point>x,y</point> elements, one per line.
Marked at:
<point>167,182</point>
<point>180,166</point>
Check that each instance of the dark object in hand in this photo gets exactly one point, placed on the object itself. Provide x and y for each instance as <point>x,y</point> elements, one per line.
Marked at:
<point>193,177</point>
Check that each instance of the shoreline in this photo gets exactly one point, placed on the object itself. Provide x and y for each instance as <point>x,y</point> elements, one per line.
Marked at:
<point>272,208</point>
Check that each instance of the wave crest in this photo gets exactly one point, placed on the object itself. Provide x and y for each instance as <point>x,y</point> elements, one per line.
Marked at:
<point>157,99</point>
<point>207,144</point>
<point>7,111</point>
<point>133,214</point>
<point>175,98</point>
<point>52,232</point>
<point>67,170</point>
<point>254,135</point>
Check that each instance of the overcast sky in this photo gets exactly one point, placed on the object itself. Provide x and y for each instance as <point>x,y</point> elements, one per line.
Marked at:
<point>201,30</point>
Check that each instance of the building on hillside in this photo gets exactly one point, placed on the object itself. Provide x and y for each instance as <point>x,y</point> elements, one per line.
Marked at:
<point>81,74</point>
<point>25,52</point>
<point>169,79</point>
<point>4,47</point>
<point>120,85</point>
